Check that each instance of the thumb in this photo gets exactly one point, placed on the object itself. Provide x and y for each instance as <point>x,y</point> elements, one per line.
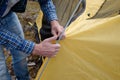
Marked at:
<point>52,38</point>
<point>54,33</point>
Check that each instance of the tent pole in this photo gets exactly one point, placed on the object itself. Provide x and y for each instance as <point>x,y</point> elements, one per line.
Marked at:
<point>67,24</point>
<point>76,8</point>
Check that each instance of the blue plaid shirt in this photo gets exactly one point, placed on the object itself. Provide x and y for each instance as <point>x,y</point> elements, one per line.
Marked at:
<point>13,41</point>
<point>48,9</point>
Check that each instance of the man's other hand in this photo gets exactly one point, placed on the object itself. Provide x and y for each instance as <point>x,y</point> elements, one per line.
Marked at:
<point>46,47</point>
<point>57,29</point>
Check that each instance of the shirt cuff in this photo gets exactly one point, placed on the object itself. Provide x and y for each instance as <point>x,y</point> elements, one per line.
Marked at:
<point>27,47</point>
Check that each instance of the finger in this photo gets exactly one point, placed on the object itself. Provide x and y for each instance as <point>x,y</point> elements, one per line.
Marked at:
<point>60,30</point>
<point>54,56</point>
<point>59,33</point>
<point>54,33</point>
<point>63,36</point>
<point>56,50</point>
<point>52,38</point>
<point>56,46</point>
<point>49,54</point>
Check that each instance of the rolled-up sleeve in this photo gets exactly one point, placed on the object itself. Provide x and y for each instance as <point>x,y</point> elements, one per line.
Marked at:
<point>14,42</point>
<point>48,9</point>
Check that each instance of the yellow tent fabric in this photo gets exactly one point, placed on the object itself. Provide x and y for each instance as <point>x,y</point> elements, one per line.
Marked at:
<point>91,50</point>
<point>39,20</point>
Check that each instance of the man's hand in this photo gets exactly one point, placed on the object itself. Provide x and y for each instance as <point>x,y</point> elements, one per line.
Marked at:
<point>46,48</point>
<point>57,29</point>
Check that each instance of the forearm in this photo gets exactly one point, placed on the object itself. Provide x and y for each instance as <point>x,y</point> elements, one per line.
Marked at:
<point>12,41</point>
<point>48,9</point>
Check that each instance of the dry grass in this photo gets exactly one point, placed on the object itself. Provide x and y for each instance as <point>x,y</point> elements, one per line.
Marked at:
<point>28,18</point>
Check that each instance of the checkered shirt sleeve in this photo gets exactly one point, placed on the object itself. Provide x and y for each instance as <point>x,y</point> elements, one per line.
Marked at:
<point>14,42</point>
<point>48,9</point>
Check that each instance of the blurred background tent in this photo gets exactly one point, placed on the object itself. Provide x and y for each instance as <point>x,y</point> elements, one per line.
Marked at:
<point>65,9</point>
<point>91,50</point>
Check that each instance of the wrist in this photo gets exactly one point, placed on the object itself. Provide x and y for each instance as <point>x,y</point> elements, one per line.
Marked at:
<point>36,49</point>
<point>54,23</point>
